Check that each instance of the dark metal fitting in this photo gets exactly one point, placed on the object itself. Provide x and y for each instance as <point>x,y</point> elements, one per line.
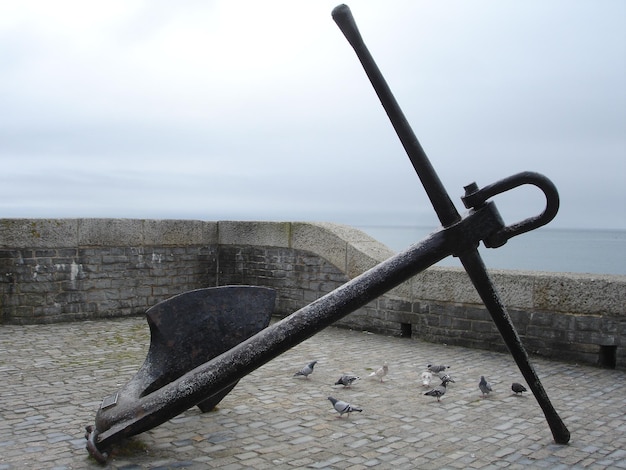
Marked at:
<point>91,436</point>
<point>475,198</point>
<point>479,224</point>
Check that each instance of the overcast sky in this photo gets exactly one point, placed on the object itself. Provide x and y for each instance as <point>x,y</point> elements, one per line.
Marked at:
<point>260,110</point>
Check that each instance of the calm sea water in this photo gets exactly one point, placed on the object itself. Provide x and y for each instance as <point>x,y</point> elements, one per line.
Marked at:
<point>544,249</point>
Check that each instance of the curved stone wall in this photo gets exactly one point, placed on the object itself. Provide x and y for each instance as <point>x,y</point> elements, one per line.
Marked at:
<point>71,269</point>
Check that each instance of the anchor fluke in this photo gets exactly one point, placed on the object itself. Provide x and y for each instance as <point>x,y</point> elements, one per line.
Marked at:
<point>186,331</point>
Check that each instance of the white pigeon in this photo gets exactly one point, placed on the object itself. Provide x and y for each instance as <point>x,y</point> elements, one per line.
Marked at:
<point>343,407</point>
<point>485,387</point>
<point>426,378</point>
<point>306,370</point>
<point>347,380</point>
<point>380,373</point>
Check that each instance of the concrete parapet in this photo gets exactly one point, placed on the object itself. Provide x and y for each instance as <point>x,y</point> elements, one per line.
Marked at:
<point>55,233</point>
<point>555,292</point>
<point>254,233</point>
<point>71,269</point>
<point>38,233</point>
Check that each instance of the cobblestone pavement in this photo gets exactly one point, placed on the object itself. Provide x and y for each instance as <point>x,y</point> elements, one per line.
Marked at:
<point>53,378</point>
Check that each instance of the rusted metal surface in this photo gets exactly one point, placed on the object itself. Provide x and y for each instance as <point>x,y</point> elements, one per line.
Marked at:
<point>165,387</point>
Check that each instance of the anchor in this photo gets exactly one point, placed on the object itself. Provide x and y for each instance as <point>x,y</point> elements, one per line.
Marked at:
<point>203,342</point>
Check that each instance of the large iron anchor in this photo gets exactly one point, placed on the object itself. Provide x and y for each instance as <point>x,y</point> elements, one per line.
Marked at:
<point>162,390</point>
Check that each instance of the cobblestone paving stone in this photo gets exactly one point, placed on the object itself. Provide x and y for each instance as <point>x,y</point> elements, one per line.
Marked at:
<point>53,378</point>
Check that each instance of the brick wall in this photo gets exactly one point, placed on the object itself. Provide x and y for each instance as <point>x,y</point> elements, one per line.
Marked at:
<point>51,285</point>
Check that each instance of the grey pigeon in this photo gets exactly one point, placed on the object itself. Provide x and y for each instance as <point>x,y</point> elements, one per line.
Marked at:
<point>306,370</point>
<point>438,391</point>
<point>485,387</point>
<point>436,369</point>
<point>380,373</point>
<point>346,380</point>
<point>518,388</point>
<point>446,378</point>
<point>343,407</point>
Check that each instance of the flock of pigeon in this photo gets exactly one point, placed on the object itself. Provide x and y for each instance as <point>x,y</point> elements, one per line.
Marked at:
<point>439,391</point>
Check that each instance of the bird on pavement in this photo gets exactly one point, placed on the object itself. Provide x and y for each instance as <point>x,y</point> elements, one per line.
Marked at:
<point>485,387</point>
<point>306,370</point>
<point>426,378</point>
<point>380,373</point>
<point>446,378</point>
<point>347,380</point>
<point>343,407</point>
<point>436,369</point>
<point>518,388</point>
<point>438,391</point>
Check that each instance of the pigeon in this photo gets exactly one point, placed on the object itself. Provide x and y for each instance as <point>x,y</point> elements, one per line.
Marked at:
<point>484,386</point>
<point>346,380</point>
<point>343,407</point>
<point>518,388</point>
<point>380,373</point>
<point>438,391</point>
<point>306,370</point>
<point>426,378</point>
<point>446,378</point>
<point>436,369</point>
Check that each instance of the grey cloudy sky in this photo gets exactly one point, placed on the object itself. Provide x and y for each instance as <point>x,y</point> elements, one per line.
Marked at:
<point>260,110</point>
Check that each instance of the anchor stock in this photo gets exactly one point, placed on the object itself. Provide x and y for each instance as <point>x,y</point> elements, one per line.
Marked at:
<point>471,260</point>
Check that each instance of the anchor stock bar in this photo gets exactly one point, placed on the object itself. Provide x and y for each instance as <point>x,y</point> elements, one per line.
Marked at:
<point>444,208</point>
<point>448,215</point>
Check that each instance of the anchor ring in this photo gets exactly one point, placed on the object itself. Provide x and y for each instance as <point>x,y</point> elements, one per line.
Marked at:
<point>475,198</point>
<point>91,434</point>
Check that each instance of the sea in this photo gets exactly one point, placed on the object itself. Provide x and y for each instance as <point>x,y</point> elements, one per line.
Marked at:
<point>543,249</point>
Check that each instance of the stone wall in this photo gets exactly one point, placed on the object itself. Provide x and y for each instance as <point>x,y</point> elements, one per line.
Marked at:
<point>71,269</point>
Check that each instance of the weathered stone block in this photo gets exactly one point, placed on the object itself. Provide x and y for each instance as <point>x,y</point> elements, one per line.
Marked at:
<point>445,285</point>
<point>180,233</point>
<point>274,234</point>
<point>561,293</point>
<point>461,324</point>
<point>483,327</point>
<point>35,233</point>
<point>109,232</point>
